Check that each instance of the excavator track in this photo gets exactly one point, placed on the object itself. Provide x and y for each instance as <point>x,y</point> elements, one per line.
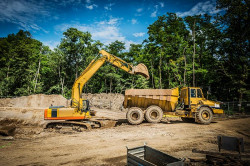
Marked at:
<point>81,126</point>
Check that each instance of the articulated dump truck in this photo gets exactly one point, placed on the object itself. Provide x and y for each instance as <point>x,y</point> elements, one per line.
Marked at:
<point>153,104</point>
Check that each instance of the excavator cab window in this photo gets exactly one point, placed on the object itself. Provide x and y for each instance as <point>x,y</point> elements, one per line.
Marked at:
<point>85,105</point>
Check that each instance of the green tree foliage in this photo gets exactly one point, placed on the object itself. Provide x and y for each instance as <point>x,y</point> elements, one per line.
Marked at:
<point>167,46</point>
<point>210,52</point>
<point>235,48</point>
<point>20,61</point>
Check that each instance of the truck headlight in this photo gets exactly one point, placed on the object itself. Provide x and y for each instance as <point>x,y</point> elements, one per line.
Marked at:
<point>217,105</point>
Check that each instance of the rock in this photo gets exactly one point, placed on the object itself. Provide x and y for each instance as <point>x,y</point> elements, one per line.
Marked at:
<point>7,138</point>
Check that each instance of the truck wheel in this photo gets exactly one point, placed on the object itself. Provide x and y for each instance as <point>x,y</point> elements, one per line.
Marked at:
<point>204,115</point>
<point>154,114</point>
<point>188,120</point>
<point>135,116</point>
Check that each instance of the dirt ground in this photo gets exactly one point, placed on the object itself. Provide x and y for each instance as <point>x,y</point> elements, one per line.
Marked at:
<point>32,145</point>
<point>108,146</point>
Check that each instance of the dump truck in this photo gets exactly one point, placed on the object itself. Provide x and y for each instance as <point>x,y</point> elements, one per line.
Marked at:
<point>153,104</point>
<point>78,115</point>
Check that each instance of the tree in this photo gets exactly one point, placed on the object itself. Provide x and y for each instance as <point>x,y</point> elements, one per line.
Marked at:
<point>167,36</point>
<point>75,44</point>
<point>235,48</point>
<point>20,73</point>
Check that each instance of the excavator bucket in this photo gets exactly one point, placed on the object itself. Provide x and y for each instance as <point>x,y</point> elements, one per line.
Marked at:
<point>141,69</point>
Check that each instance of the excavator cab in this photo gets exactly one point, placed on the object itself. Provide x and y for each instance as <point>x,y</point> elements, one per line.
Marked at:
<point>82,105</point>
<point>85,106</point>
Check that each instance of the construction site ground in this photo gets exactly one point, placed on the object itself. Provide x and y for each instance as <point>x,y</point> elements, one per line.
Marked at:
<point>30,144</point>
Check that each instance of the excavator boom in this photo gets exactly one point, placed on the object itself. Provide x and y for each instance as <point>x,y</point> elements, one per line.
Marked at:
<point>93,67</point>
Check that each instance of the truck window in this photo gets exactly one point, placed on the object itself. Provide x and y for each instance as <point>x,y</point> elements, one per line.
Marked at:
<point>199,94</point>
<point>193,92</point>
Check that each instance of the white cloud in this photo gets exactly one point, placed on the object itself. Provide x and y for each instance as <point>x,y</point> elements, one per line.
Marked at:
<point>162,4</point>
<point>140,34</point>
<point>51,44</point>
<point>134,21</point>
<point>108,6</point>
<point>106,31</point>
<point>111,21</point>
<point>139,10</point>
<point>91,7</point>
<point>153,14</point>
<point>200,8</point>
<point>155,11</point>
<point>66,2</point>
<point>128,42</point>
<point>23,13</point>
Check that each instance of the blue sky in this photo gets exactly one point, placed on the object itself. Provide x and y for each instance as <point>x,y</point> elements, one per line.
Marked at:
<point>106,20</point>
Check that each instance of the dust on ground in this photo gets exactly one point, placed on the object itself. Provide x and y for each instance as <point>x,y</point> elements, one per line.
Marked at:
<point>32,145</point>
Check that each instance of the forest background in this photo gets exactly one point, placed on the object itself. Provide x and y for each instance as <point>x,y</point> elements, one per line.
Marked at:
<point>201,50</point>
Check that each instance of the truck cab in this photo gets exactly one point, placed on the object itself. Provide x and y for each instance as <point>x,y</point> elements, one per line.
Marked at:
<point>193,101</point>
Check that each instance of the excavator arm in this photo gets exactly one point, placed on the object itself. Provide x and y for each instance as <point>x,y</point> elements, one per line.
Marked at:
<point>93,67</point>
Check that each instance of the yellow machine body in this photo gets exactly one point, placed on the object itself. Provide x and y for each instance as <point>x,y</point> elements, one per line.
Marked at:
<point>65,114</point>
<point>79,108</point>
<point>191,99</point>
<point>166,99</point>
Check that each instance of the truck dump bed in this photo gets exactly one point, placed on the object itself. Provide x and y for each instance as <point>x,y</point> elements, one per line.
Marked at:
<point>166,99</point>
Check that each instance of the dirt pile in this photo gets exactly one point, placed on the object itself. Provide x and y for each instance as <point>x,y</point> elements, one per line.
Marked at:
<point>113,101</point>
<point>38,101</point>
<point>26,114</point>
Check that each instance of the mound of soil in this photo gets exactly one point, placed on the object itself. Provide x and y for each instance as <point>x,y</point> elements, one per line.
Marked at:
<point>113,101</point>
<point>26,113</point>
<point>38,101</point>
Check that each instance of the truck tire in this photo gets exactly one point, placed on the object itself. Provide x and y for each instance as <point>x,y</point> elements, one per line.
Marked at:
<point>153,114</point>
<point>204,115</point>
<point>135,116</point>
<point>188,120</point>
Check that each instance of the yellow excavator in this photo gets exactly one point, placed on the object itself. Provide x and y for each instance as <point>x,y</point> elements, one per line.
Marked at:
<point>78,114</point>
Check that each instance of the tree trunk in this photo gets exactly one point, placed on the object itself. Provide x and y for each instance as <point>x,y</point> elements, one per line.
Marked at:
<point>76,71</point>
<point>106,88</point>
<point>240,100</point>
<point>37,73</point>
<point>168,75</point>
<point>110,86</point>
<point>61,80</point>
<point>152,74</point>
<point>160,86</point>
<point>185,67</point>
<point>7,75</point>
<point>200,56</point>
<point>193,53</point>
